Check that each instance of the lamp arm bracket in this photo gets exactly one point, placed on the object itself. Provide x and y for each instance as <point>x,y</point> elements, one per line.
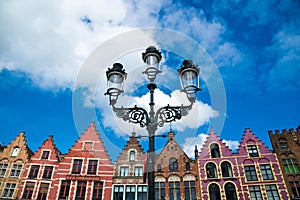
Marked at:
<point>171,113</point>
<point>135,115</point>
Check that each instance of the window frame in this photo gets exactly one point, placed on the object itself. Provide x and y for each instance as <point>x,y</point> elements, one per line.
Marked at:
<point>272,192</point>
<point>266,172</point>
<point>9,190</point>
<point>249,170</point>
<point>132,155</point>
<point>44,189</point>
<point>226,168</point>
<point>48,171</point>
<point>97,190</point>
<point>34,171</point>
<point>64,190</point>
<point>3,169</point>
<point>92,167</point>
<point>256,191</point>
<point>215,150</point>
<point>138,171</point>
<point>211,167</point>
<point>124,171</point>
<point>252,151</point>
<point>81,190</point>
<point>45,154</point>
<point>173,165</point>
<point>77,166</point>
<point>16,169</point>
<point>160,190</point>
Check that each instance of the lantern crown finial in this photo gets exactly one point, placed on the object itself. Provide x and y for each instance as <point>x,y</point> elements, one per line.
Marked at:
<point>151,50</point>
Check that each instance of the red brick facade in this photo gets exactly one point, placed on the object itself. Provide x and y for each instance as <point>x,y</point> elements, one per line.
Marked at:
<point>86,171</point>
<point>176,175</point>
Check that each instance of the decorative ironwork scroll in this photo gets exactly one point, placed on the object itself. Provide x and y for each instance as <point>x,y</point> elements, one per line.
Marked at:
<point>135,115</point>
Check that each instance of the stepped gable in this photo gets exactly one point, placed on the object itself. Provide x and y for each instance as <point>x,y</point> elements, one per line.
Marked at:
<point>48,145</point>
<point>90,144</point>
<point>171,150</point>
<point>214,138</point>
<point>132,143</point>
<point>24,151</point>
<point>250,138</point>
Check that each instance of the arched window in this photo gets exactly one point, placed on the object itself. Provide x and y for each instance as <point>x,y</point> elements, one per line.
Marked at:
<point>230,191</point>
<point>226,169</point>
<point>158,167</point>
<point>211,170</point>
<point>15,151</point>
<point>214,151</point>
<point>187,166</point>
<point>214,192</point>
<point>173,165</point>
<point>132,156</point>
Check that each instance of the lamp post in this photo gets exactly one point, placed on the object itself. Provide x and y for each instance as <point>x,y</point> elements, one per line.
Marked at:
<point>189,80</point>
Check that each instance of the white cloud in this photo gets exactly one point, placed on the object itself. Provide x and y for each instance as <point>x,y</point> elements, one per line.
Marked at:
<point>233,145</point>
<point>190,143</point>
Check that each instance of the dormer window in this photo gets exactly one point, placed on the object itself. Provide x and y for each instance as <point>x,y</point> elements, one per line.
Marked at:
<point>15,152</point>
<point>214,151</point>
<point>45,155</point>
<point>132,156</point>
<point>252,150</point>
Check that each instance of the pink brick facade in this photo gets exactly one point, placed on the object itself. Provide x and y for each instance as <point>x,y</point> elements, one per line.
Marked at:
<point>251,173</point>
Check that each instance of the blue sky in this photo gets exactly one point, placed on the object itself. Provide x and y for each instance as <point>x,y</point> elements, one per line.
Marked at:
<point>46,49</point>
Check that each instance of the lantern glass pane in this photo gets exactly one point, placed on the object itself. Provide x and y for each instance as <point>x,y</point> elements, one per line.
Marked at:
<point>152,61</point>
<point>115,81</point>
<point>189,77</point>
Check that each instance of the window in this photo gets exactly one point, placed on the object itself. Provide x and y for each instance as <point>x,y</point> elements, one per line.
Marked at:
<point>174,188</point>
<point>138,171</point>
<point>226,169</point>
<point>3,168</point>
<point>290,165</point>
<point>272,192</point>
<point>118,192</point>
<point>64,189</point>
<point>283,146</point>
<point>43,191</point>
<point>173,165</point>
<point>92,168</point>
<point>29,187</point>
<point>15,170</point>
<point>88,145</point>
<point>295,185</point>
<point>214,192</point>
<point>130,192</point>
<point>77,164</point>
<point>80,190</point>
<point>132,156</point>
<point>124,171</point>
<point>97,190</point>
<point>47,172</point>
<point>34,170</point>
<point>255,193</point>
<point>15,152</point>
<point>211,170</point>
<point>187,166</point>
<point>189,190</point>
<point>142,192</point>
<point>158,167</point>
<point>45,155</point>
<point>214,151</point>
<point>9,190</point>
<point>230,191</point>
<point>252,150</point>
<point>266,172</point>
<point>160,190</point>
<point>250,173</point>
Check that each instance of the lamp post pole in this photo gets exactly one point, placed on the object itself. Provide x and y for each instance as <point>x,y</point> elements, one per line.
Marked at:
<point>189,79</point>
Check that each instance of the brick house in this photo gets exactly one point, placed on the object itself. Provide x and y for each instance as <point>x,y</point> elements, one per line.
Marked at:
<point>129,181</point>
<point>13,158</point>
<point>38,174</point>
<point>286,145</point>
<point>175,173</point>
<point>86,171</point>
<point>251,173</point>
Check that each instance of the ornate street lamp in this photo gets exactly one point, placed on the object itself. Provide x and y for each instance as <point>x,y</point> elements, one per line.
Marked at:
<point>189,79</point>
